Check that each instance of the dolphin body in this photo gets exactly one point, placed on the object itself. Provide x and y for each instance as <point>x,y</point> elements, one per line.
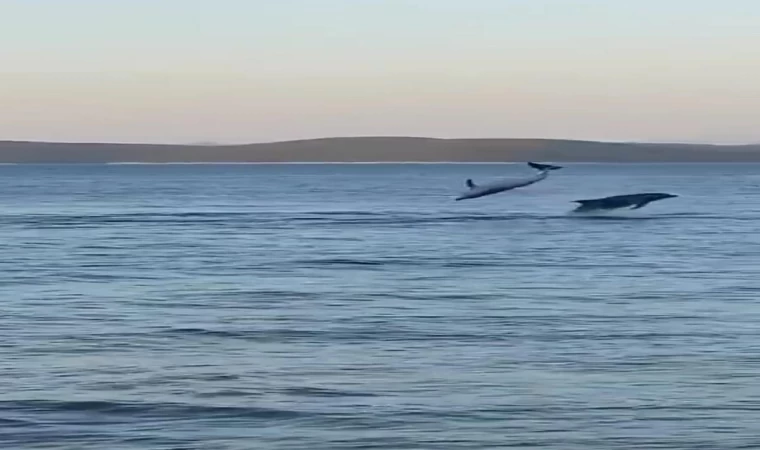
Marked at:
<point>635,201</point>
<point>495,187</point>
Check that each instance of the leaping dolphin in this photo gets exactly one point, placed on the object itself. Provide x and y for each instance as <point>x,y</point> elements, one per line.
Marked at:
<point>635,201</point>
<point>499,186</point>
<point>476,191</point>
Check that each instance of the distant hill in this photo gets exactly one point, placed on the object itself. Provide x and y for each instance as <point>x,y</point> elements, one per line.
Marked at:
<point>379,149</point>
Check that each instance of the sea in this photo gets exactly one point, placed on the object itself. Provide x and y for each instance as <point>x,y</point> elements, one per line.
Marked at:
<point>358,306</point>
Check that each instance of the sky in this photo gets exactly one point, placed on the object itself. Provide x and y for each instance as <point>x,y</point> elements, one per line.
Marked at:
<point>238,71</point>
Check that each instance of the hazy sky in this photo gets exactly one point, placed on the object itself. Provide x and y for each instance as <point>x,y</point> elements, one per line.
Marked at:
<point>260,70</point>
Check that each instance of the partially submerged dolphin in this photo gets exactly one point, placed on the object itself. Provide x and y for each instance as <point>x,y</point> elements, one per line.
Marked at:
<point>495,187</point>
<point>635,201</point>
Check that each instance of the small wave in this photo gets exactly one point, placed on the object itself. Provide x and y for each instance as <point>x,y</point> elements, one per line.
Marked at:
<point>17,423</point>
<point>412,219</point>
<point>461,263</point>
<point>617,218</point>
<point>415,219</point>
<point>629,215</point>
<point>186,218</point>
<point>107,409</point>
<point>559,336</point>
<point>68,220</point>
<point>345,262</point>
<point>323,392</point>
<point>328,218</point>
<point>233,393</point>
<point>203,332</point>
<point>368,331</point>
<point>394,262</point>
<point>258,335</point>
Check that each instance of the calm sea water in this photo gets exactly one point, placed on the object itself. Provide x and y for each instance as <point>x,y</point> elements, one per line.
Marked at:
<point>329,307</point>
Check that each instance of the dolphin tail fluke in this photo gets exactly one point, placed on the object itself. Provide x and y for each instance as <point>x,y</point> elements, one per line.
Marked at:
<point>470,184</point>
<point>543,167</point>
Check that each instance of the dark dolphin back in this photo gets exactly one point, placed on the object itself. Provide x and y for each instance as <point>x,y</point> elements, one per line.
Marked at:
<point>621,201</point>
<point>617,201</point>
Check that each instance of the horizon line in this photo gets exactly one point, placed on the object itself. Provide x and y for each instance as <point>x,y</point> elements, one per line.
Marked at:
<point>219,144</point>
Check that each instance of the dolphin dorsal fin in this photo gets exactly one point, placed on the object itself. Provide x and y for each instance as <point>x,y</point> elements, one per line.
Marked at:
<point>470,184</point>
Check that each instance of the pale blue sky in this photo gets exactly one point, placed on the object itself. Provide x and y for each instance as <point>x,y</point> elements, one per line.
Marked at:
<point>261,70</point>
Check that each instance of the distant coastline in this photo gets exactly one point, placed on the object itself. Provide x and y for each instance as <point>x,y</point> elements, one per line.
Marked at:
<point>376,150</point>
